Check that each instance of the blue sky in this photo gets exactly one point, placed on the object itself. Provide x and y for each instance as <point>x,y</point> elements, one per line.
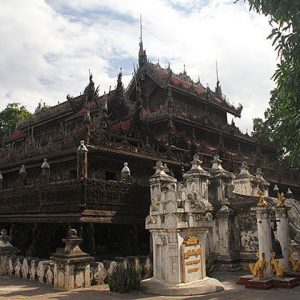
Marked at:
<point>48,47</point>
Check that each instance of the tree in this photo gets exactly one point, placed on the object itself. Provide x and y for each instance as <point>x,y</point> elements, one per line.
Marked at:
<point>10,116</point>
<point>282,118</point>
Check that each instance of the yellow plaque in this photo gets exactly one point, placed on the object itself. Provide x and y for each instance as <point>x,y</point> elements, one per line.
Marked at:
<point>191,240</point>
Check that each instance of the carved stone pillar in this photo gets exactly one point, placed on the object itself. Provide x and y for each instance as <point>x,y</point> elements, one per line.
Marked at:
<point>283,234</point>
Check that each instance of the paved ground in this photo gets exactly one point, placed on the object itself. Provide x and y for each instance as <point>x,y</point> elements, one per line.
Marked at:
<point>15,289</point>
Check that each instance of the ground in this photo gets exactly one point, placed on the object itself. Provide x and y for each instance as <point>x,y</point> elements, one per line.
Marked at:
<point>16,288</point>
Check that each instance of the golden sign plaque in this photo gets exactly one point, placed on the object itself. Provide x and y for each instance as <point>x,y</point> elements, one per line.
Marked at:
<point>191,259</point>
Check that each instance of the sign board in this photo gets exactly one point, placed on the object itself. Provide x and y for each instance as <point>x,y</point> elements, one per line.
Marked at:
<point>191,259</point>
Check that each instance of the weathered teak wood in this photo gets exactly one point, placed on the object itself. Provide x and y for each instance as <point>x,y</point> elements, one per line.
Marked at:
<point>87,200</point>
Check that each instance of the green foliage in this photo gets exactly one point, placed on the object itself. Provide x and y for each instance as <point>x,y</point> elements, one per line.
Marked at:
<point>282,118</point>
<point>10,116</point>
<point>124,279</point>
<point>210,265</point>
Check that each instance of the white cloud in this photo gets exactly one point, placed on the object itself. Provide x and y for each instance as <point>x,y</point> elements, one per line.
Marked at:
<point>48,47</point>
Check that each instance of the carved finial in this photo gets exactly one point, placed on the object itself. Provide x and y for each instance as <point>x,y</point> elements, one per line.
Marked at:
<point>82,147</point>
<point>23,175</point>
<point>166,169</point>
<point>289,193</point>
<point>196,163</point>
<point>184,70</point>
<point>45,169</point>
<point>159,168</point>
<point>244,169</point>
<point>216,163</point>
<point>125,173</point>
<point>276,189</point>
<point>259,173</point>
<point>72,233</point>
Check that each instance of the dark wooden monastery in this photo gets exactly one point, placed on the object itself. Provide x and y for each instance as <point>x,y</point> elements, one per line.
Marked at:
<point>159,116</point>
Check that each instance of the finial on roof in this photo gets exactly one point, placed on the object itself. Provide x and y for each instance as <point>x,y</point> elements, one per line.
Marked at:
<point>218,89</point>
<point>217,71</point>
<point>125,173</point>
<point>142,52</point>
<point>141,30</point>
<point>184,70</point>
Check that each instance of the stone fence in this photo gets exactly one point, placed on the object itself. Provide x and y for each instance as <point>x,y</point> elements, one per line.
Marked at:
<point>68,268</point>
<point>35,269</point>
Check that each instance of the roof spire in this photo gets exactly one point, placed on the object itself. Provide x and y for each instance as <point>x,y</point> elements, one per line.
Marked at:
<point>142,52</point>
<point>141,30</point>
<point>218,89</point>
<point>217,71</point>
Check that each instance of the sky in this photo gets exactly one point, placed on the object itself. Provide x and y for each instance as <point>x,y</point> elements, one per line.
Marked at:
<point>49,46</point>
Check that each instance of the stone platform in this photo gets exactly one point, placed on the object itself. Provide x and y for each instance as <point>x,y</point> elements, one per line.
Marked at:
<point>259,284</point>
<point>285,282</point>
<point>200,287</point>
<point>244,279</point>
<point>253,283</point>
<point>294,275</point>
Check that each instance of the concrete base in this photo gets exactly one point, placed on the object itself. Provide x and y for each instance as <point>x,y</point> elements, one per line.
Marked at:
<point>204,286</point>
<point>244,279</point>
<point>285,282</point>
<point>263,284</point>
<point>294,275</point>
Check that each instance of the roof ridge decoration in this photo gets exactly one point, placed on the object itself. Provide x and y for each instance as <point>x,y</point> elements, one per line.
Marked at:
<point>89,95</point>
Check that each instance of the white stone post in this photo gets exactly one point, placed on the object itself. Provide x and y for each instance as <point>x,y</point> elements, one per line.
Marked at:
<point>283,234</point>
<point>264,235</point>
<point>71,264</point>
<point>226,245</point>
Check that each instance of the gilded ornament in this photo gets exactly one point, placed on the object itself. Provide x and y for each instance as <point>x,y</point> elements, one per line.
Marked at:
<point>262,200</point>
<point>295,264</point>
<point>191,240</point>
<point>258,269</point>
<point>280,200</point>
<point>276,267</point>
